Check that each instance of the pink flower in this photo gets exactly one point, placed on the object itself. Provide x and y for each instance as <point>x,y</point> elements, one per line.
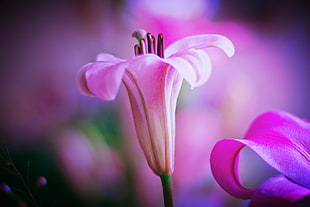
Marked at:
<point>91,167</point>
<point>283,141</point>
<point>153,84</point>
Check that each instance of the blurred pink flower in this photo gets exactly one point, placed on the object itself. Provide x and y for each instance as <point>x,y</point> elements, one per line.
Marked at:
<point>282,140</point>
<point>153,84</point>
<point>92,169</point>
<point>197,131</point>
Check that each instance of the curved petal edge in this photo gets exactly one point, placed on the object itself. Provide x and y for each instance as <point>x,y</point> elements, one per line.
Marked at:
<point>224,161</point>
<point>278,191</point>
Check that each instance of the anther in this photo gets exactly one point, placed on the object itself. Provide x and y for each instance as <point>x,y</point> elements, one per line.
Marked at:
<point>147,43</point>
<point>160,46</point>
<point>153,41</point>
<point>150,43</point>
<point>137,49</point>
<point>142,46</point>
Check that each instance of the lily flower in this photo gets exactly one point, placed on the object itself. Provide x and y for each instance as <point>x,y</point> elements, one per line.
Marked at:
<point>283,141</point>
<point>153,80</point>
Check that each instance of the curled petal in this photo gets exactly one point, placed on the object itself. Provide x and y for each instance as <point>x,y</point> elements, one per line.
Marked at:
<point>283,141</point>
<point>193,65</point>
<point>201,42</point>
<point>224,160</point>
<point>279,138</point>
<point>82,82</point>
<point>278,191</point>
<point>104,79</point>
<point>99,79</point>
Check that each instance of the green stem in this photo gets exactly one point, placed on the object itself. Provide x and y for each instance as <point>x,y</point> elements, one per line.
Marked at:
<point>167,190</point>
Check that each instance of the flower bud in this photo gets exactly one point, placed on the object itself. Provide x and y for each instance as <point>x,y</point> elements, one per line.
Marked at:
<point>41,181</point>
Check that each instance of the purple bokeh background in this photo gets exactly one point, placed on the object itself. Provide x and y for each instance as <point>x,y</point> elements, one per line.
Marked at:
<point>45,43</point>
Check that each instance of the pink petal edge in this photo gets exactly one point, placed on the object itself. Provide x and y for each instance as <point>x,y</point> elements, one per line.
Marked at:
<point>224,160</point>
<point>82,82</point>
<point>278,191</point>
<point>201,42</point>
<point>273,136</point>
<point>283,141</point>
<point>104,79</point>
<point>193,65</point>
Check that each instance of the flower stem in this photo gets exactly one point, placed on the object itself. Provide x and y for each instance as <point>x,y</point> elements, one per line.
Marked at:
<point>167,190</point>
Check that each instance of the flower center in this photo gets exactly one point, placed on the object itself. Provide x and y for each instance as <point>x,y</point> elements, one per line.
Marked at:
<point>147,43</point>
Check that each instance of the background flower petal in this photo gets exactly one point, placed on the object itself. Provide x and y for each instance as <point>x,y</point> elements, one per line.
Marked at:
<point>283,141</point>
<point>224,160</point>
<point>201,42</point>
<point>279,138</point>
<point>278,191</point>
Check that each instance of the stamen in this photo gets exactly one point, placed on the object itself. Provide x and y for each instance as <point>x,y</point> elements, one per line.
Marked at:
<point>160,46</point>
<point>147,43</point>
<point>142,46</point>
<point>150,43</point>
<point>153,41</point>
<point>137,49</point>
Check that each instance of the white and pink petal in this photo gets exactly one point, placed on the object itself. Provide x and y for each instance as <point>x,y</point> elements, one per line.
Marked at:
<point>82,82</point>
<point>193,65</point>
<point>104,79</point>
<point>200,42</point>
<point>108,58</point>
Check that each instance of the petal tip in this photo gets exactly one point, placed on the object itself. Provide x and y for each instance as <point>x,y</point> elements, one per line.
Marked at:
<point>82,82</point>
<point>226,45</point>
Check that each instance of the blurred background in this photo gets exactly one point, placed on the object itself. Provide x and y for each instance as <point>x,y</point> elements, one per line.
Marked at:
<point>59,148</point>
